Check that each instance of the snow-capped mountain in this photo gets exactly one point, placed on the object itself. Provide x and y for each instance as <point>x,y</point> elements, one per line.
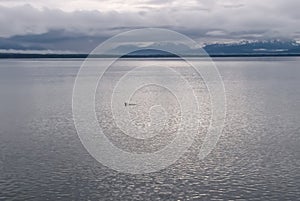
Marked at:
<point>255,47</point>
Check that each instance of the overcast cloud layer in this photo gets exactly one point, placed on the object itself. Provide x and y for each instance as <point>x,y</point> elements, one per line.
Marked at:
<point>59,24</point>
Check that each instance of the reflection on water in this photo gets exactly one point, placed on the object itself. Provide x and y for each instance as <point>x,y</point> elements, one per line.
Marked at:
<point>256,158</point>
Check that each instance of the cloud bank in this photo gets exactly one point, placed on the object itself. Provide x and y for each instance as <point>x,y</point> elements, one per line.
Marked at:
<point>64,25</point>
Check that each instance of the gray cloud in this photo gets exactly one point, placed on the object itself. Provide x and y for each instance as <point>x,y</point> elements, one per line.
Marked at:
<point>43,25</point>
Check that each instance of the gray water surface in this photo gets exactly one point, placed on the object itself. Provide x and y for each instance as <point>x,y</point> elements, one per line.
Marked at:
<point>256,158</point>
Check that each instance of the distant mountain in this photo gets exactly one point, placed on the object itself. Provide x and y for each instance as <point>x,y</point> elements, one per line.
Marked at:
<point>268,47</point>
<point>150,53</point>
<point>18,45</point>
<point>243,48</point>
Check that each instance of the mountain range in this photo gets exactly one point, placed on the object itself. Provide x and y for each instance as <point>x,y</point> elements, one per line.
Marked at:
<point>78,46</point>
<point>243,48</point>
<point>255,47</point>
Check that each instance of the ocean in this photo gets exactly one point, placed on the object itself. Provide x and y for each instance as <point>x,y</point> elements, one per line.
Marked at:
<point>257,155</point>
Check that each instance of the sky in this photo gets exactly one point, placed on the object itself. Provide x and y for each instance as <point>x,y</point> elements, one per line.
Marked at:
<point>80,25</point>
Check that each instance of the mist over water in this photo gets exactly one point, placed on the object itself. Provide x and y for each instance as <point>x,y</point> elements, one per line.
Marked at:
<point>256,158</point>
